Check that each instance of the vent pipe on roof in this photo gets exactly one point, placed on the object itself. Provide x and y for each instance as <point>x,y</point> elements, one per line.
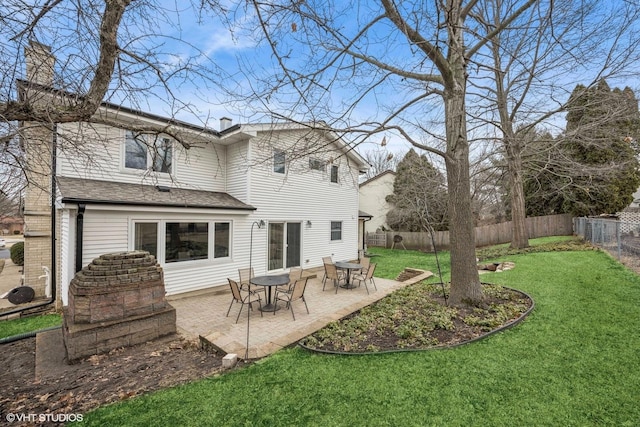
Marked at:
<point>225,123</point>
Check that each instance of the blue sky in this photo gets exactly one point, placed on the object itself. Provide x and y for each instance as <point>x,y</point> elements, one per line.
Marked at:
<point>237,57</point>
<point>234,49</point>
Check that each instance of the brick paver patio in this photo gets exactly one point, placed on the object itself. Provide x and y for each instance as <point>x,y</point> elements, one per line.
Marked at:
<point>203,315</point>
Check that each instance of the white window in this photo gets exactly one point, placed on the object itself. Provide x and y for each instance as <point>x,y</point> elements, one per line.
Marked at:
<point>279,161</point>
<point>145,237</point>
<point>183,241</point>
<point>186,241</point>
<point>222,239</point>
<point>148,152</point>
<point>135,152</point>
<point>316,164</point>
<point>336,230</point>
<point>334,173</point>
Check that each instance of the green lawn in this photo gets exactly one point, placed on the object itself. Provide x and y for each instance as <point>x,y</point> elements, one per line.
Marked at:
<point>575,361</point>
<point>9,328</point>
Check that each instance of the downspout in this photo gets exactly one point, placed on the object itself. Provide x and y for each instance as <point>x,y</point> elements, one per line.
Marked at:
<point>364,234</point>
<point>79,233</point>
<point>53,271</point>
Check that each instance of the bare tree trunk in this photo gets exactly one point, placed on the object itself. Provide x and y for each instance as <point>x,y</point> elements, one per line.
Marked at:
<point>519,235</point>
<point>465,280</point>
<point>513,153</point>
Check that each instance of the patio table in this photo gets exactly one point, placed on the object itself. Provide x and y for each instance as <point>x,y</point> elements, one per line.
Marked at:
<point>269,282</point>
<point>349,266</point>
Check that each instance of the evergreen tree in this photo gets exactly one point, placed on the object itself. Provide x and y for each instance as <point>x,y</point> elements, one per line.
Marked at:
<point>419,196</point>
<point>593,168</point>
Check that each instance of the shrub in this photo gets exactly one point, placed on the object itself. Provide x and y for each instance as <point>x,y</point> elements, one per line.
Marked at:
<point>17,253</point>
<point>16,232</point>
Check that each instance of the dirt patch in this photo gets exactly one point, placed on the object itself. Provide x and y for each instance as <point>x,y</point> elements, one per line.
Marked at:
<point>98,380</point>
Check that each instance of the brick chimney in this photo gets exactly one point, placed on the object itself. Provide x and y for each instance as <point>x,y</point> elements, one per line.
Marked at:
<point>37,138</point>
<point>40,62</point>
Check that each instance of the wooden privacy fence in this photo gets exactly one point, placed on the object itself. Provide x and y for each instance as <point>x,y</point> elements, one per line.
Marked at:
<point>539,226</point>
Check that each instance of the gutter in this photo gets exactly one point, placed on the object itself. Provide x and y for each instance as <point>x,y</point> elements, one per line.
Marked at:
<point>152,204</point>
<point>364,233</point>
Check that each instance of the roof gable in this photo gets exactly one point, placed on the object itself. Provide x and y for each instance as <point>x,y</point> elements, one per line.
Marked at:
<point>380,175</point>
<point>319,128</point>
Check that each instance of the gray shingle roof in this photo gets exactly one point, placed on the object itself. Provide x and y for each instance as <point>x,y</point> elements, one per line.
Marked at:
<point>76,190</point>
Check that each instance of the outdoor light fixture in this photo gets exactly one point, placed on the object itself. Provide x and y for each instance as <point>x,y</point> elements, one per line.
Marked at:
<point>260,224</point>
<point>309,223</point>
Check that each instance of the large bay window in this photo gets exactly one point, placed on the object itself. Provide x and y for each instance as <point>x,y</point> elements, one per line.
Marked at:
<point>183,241</point>
<point>186,241</point>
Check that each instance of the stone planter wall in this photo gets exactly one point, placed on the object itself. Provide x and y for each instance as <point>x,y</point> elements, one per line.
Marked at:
<point>116,301</point>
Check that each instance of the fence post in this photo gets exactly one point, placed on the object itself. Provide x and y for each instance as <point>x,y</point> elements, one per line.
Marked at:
<point>618,242</point>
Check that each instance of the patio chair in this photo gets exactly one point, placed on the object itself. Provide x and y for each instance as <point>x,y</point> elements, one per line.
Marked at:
<point>364,262</point>
<point>295,273</point>
<point>297,292</point>
<point>326,260</point>
<point>363,278</point>
<point>331,273</point>
<point>245,275</point>
<point>242,297</point>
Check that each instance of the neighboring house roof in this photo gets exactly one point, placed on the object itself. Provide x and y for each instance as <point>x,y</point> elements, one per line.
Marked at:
<point>363,214</point>
<point>378,176</point>
<point>76,190</point>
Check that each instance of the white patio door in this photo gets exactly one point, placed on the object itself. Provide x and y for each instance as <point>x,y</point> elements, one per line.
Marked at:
<point>285,244</point>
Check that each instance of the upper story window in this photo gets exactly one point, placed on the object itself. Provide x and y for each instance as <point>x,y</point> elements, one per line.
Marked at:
<point>148,152</point>
<point>336,230</point>
<point>316,164</point>
<point>334,173</point>
<point>279,160</point>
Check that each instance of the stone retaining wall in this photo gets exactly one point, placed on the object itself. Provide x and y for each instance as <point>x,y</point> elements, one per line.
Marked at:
<point>116,301</point>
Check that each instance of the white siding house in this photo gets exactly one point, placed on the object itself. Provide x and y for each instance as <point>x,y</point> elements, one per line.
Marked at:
<point>198,208</point>
<point>373,195</point>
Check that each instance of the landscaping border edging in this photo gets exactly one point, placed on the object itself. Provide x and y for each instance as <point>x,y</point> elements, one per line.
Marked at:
<point>403,350</point>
